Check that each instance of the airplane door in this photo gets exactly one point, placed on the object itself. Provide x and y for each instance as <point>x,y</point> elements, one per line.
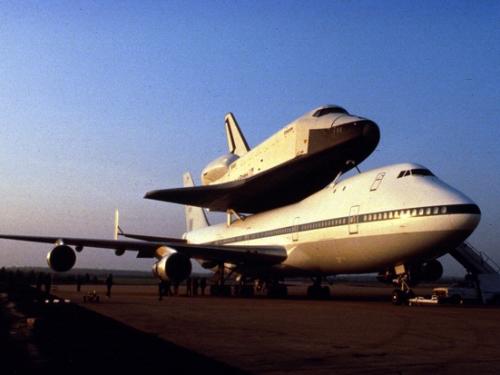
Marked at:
<point>353,219</point>
<point>295,233</point>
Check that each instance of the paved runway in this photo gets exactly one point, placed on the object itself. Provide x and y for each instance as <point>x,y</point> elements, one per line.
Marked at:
<point>355,332</point>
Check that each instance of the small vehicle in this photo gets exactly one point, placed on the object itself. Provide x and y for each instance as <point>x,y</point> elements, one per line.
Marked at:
<point>92,297</point>
<point>457,294</point>
<point>484,288</point>
<point>434,300</point>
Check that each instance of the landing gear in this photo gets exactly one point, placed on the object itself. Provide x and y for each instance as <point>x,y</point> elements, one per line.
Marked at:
<point>243,288</point>
<point>246,291</point>
<point>316,291</point>
<point>402,293</point>
<point>219,288</point>
<point>276,290</point>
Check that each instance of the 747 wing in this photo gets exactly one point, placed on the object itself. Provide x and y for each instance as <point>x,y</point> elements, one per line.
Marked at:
<point>262,255</point>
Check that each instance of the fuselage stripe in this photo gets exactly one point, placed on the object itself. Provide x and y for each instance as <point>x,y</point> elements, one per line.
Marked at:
<point>357,219</point>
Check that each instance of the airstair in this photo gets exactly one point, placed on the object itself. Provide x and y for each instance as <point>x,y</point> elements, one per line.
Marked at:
<point>482,269</point>
<point>473,260</point>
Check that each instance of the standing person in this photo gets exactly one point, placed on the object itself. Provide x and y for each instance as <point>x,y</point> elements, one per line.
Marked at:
<point>168,289</point>
<point>203,285</point>
<point>188,286</point>
<point>176,288</point>
<point>48,283</point>
<point>109,285</point>
<point>79,283</point>
<point>39,281</point>
<point>195,286</point>
<point>161,290</point>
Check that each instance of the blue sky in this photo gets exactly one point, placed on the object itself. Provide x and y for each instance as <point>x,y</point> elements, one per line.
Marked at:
<point>103,101</point>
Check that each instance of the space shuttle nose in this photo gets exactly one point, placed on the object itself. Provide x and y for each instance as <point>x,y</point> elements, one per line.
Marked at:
<point>371,132</point>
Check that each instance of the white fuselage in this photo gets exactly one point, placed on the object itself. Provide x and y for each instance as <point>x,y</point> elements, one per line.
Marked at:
<point>366,223</point>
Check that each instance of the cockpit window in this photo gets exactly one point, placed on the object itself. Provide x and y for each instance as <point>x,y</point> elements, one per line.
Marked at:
<point>415,172</point>
<point>421,172</point>
<point>327,110</point>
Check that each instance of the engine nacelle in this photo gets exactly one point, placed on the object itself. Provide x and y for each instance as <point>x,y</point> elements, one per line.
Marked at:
<point>175,267</point>
<point>217,168</point>
<point>431,270</point>
<point>426,272</point>
<point>61,258</point>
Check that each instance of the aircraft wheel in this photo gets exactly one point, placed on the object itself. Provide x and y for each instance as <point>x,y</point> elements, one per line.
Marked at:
<point>221,291</point>
<point>277,291</point>
<point>213,290</point>
<point>325,292</point>
<point>456,300</point>
<point>312,291</point>
<point>283,291</point>
<point>247,291</point>
<point>397,297</point>
<point>226,290</point>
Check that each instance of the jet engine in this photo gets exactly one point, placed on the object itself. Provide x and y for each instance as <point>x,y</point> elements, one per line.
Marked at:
<point>176,267</point>
<point>61,258</point>
<point>217,168</point>
<point>427,271</point>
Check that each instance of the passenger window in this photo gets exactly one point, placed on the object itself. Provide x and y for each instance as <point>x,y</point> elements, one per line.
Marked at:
<point>378,181</point>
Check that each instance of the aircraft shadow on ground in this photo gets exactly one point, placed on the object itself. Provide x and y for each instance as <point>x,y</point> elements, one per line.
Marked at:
<point>69,339</point>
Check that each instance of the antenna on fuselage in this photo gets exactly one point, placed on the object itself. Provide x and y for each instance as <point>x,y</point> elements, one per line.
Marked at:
<point>354,164</point>
<point>334,182</point>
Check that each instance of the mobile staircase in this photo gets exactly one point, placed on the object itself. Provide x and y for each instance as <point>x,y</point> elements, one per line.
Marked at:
<point>481,269</point>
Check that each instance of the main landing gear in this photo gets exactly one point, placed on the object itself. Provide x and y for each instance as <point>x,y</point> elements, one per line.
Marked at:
<point>244,287</point>
<point>220,288</point>
<point>316,291</point>
<point>275,289</point>
<point>402,292</point>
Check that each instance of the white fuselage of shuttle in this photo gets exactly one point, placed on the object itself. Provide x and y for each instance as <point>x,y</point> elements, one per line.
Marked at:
<point>309,134</point>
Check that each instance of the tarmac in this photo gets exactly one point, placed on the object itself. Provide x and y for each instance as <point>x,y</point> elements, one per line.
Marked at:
<point>357,331</point>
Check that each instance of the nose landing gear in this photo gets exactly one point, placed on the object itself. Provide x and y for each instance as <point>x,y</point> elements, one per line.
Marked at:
<point>402,292</point>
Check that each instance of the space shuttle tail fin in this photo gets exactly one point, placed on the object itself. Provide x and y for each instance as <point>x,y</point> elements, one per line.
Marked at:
<point>236,142</point>
<point>195,216</point>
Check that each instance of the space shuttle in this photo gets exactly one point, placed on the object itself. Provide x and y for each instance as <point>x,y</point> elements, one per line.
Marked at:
<point>298,160</point>
<point>395,220</point>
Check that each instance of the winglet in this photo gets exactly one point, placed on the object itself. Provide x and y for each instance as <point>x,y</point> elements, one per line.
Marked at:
<point>195,216</point>
<point>236,142</point>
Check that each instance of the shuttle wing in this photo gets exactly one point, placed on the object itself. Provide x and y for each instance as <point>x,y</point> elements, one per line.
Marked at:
<point>264,255</point>
<point>284,184</point>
